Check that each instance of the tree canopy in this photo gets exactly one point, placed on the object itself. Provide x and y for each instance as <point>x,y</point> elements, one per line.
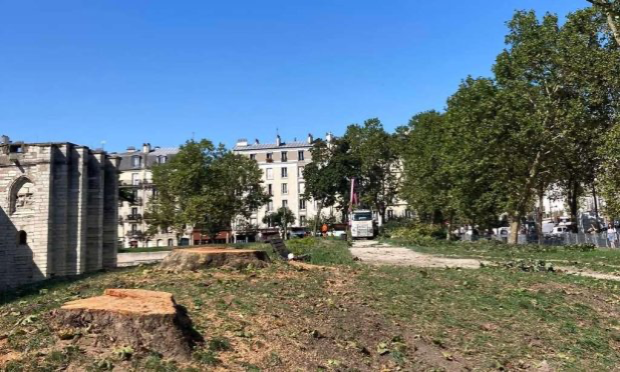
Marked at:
<point>205,187</point>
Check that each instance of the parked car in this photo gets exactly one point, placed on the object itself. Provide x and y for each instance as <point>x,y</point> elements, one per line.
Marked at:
<point>502,232</point>
<point>560,230</point>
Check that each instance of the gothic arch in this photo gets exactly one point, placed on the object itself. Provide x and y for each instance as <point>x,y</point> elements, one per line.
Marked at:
<point>20,194</point>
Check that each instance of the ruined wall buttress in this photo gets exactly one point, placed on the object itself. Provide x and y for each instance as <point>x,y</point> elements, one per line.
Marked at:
<point>60,209</point>
<point>94,239</point>
<point>78,200</point>
<point>110,212</point>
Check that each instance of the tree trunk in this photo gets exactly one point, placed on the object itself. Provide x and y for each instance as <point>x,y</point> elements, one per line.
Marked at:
<point>598,224</point>
<point>573,204</point>
<point>516,216</point>
<point>611,22</point>
<point>612,25</point>
<point>539,216</point>
<point>515,225</point>
<point>449,232</point>
<point>317,218</point>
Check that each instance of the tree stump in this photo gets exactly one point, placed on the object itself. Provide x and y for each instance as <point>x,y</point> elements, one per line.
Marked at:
<point>202,258</point>
<point>143,320</point>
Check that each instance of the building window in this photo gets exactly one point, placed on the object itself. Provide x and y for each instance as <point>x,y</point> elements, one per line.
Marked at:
<point>390,214</point>
<point>269,172</point>
<point>134,211</point>
<point>252,156</point>
<point>22,238</point>
<point>284,156</point>
<point>269,157</point>
<point>134,227</point>
<point>170,242</point>
<point>300,172</point>
<point>302,204</point>
<point>302,187</point>
<point>135,179</point>
<point>300,155</point>
<point>284,188</point>
<point>269,206</point>
<point>161,159</point>
<point>136,161</point>
<point>284,203</point>
<point>302,220</point>
<point>284,172</point>
<point>270,189</point>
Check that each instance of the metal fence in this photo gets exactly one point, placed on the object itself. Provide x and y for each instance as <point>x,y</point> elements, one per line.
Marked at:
<point>600,240</point>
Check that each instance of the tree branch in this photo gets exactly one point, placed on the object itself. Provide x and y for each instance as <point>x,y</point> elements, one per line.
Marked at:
<point>611,14</point>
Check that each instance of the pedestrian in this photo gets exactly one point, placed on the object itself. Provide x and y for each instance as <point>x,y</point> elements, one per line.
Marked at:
<point>324,229</point>
<point>611,236</point>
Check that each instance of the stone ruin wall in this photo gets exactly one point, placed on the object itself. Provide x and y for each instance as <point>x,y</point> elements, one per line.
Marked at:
<point>65,199</point>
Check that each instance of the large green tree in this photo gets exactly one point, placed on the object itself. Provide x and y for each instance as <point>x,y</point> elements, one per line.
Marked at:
<point>375,151</point>
<point>327,177</point>
<point>205,187</point>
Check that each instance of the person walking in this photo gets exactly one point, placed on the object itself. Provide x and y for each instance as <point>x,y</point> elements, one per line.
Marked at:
<point>611,236</point>
<point>324,230</point>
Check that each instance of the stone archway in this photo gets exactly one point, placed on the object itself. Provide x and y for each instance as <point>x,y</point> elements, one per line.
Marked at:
<point>21,196</point>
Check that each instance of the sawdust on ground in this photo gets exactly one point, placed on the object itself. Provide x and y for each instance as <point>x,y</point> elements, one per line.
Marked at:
<point>375,253</point>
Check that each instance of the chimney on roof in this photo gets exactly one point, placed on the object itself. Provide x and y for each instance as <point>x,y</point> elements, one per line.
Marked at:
<point>131,149</point>
<point>329,137</point>
<point>146,148</point>
<point>256,142</point>
<point>278,140</point>
<point>310,138</point>
<point>4,140</point>
<point>242,142</point>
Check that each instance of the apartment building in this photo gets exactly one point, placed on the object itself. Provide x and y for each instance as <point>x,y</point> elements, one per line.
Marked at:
<point>282,164</point>
<point>136,178</point>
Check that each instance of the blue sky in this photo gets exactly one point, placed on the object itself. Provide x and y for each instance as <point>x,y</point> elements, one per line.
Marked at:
<point>126,72</point>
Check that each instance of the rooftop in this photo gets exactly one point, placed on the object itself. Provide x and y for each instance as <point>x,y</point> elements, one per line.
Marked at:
<point>269,146</point>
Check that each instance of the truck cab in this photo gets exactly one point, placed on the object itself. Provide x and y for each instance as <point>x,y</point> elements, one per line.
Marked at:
<point>362,224</point>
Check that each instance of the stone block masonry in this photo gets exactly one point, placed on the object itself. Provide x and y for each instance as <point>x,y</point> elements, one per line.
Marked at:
<point>58,211</point>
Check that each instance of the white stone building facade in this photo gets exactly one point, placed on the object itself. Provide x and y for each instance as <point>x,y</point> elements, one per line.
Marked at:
<point>136,177</point>
<point>282,164</point>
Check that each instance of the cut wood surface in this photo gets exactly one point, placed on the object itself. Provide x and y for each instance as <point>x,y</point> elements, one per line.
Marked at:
<point>147,321</point>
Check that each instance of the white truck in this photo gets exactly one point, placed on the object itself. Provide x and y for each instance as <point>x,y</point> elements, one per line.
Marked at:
<point>362,224</point>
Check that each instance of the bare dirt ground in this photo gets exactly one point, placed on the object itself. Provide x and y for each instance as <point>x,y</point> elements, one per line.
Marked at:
<point>373,252</point>
<point>376,253</point>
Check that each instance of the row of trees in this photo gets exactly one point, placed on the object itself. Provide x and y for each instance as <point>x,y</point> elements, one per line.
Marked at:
<point>546,118</point>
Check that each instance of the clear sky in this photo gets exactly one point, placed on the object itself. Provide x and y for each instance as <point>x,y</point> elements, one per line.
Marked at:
<point>127,72</point>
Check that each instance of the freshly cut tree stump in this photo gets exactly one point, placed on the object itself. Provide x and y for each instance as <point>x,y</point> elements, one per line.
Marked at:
<point>144,320</point>
<point>201,258</point>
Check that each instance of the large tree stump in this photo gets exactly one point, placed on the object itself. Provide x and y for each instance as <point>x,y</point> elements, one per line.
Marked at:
<point>201,258</point>
<point>144,320</point>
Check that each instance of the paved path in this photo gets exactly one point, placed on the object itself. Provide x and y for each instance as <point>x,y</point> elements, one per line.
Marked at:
<point>373,252</point>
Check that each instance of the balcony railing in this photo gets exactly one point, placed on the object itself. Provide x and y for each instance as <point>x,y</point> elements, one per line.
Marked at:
<point>134,217</point>
<point>136,234</point>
